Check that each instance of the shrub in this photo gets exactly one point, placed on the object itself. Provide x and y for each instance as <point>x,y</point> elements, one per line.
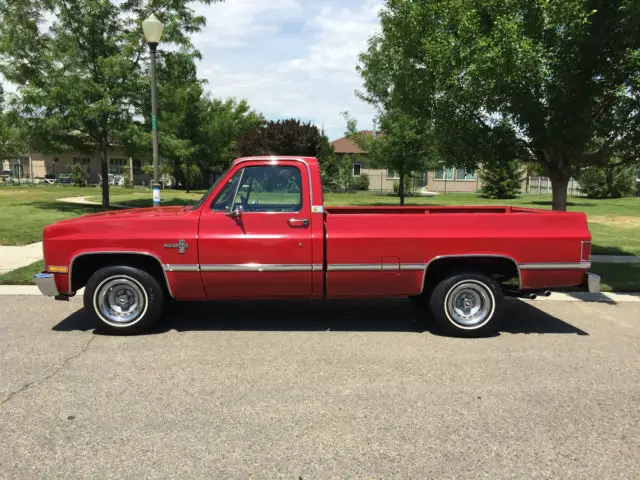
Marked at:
<point>410,185</point>
<point>126,172</point>
<point>195,175</point>
<point>79,176</point>
<point>501,180</point>
<point>609,182</point>
<point>360,183</point>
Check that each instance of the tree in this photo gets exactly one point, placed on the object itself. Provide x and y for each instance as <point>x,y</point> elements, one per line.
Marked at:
<point>402,145</point>
<point>501,180</point>
<point>12,133</point>
<point>610,182</point>
<point>179,115</point>
<point>79,80</point>
<point>222,123</point>
<point>563,77</point>
<point>282,137</point>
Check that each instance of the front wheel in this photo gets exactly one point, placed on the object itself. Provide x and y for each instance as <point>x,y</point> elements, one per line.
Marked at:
<point>124,300</point>
<point>467,305</point>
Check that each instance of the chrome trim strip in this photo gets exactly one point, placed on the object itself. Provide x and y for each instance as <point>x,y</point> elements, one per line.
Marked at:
<point>317,267</point>
<point>276,159</point>
<point>121,252</point>
<point>555,266</point>
<point>354,267</point>
<point>256,267</point>
<point>471,255</point>
<point>412,266</point>
<point>364,267</point>
<point>182,268</point>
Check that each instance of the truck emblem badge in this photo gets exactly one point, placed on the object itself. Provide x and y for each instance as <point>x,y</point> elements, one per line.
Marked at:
<point>181,246</point>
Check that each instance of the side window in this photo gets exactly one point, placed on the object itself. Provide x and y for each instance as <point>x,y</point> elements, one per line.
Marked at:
<point>262,189</point>
<point>224,200</point>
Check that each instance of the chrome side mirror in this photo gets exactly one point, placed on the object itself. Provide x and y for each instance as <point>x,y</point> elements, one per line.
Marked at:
<point>237,213</point>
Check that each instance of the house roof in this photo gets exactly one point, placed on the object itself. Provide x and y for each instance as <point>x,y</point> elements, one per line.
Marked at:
<point>344,145</point>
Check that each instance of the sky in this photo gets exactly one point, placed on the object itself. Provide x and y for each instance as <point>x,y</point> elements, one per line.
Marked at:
<point>288,58</point>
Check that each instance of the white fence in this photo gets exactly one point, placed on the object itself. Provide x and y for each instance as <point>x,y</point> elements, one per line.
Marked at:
<point>540,185</point>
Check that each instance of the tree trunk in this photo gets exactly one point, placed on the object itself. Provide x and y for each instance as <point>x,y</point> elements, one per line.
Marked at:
<point>105,174</point>
<point>401,188</point>
<point>187,179</point>
<point>559,184</point>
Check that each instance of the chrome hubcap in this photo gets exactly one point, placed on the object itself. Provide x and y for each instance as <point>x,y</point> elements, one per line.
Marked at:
<point>121,300</point>
<point>469,304</point>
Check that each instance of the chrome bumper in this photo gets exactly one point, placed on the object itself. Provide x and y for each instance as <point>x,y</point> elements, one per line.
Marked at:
<point>46,282</point>
<point>592,282</point>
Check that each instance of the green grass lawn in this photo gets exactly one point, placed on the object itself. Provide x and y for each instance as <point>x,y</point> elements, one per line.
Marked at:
<point>614,277</point>
<point>24,211</point>
<point>22,276</point>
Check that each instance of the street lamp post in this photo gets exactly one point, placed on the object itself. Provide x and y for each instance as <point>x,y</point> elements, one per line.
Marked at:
<point>152,28</point>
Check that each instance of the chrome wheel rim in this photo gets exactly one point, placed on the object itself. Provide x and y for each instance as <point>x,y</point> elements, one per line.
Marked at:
<point>120,301</point>
<point>469,304</point>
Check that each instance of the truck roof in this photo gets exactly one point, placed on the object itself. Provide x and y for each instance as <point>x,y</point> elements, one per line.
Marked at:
<point>311,161</point>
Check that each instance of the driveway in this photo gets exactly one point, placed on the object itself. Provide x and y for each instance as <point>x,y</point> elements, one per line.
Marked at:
<point>311,390</point>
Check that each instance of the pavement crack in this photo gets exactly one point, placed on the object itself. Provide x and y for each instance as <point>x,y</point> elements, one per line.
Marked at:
<point>51,374</point>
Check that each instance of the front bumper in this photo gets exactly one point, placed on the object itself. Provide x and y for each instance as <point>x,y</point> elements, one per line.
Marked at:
<point>592,282</point>
<point>46,282</point>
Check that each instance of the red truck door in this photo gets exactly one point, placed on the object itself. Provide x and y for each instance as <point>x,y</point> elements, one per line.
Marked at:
<point>255,238</point>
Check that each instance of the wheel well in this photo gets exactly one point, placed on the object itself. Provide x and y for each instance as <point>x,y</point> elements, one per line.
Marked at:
<point>503,269</point>
<point>84,266</point>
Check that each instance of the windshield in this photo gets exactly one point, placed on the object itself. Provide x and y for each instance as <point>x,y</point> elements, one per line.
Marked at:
<point>206,195</point>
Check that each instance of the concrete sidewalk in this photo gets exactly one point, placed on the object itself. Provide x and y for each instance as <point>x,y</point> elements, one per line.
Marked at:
<point>614,259</point>
<point>12,258</point>
<point>86,201</point>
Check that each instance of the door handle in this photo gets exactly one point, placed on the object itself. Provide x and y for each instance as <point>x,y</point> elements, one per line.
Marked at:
<point>298,222</point>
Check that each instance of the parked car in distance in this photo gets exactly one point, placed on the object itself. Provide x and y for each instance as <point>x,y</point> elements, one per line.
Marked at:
<point>262,232</point>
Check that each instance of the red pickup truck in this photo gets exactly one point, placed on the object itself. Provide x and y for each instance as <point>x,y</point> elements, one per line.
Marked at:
<point>262,232</point>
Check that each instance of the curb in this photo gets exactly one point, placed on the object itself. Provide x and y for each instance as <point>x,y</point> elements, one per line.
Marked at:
<point>604,297</point>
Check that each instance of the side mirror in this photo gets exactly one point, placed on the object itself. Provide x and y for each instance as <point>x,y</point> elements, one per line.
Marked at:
<point>237,213</point>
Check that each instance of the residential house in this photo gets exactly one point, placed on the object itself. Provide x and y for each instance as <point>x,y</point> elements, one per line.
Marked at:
<point>35,165</point>
<point>442,180</point>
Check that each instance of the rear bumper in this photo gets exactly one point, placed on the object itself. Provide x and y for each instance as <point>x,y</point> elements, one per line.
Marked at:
<point>591,282</point>
<point>46,282</point>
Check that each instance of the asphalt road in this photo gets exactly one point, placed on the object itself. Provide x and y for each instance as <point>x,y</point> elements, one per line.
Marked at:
<point>317,391</point>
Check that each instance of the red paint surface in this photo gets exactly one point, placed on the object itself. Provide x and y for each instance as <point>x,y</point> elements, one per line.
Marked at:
<point>354,235</point>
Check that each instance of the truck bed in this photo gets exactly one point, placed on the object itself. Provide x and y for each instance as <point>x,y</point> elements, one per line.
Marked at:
<point>399,242</point>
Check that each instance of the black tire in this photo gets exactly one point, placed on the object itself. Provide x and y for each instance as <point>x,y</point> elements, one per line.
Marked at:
<point>133,284</point>
<point>477,289</point>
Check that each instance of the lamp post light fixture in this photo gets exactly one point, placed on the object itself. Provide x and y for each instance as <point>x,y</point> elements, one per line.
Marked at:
<point>152,28</point>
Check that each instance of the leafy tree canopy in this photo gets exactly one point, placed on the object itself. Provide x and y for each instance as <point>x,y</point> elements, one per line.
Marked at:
<point>284,137</point>
<point>403,145</point>
<point>79,78</point>
<point>561,79</point>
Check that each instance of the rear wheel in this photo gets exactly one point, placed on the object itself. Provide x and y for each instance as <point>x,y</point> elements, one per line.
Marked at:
<point>467,305</point>
<point>123,300</point>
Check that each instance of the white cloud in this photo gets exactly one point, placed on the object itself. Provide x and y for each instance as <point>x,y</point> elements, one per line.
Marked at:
<point>289,58</point>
